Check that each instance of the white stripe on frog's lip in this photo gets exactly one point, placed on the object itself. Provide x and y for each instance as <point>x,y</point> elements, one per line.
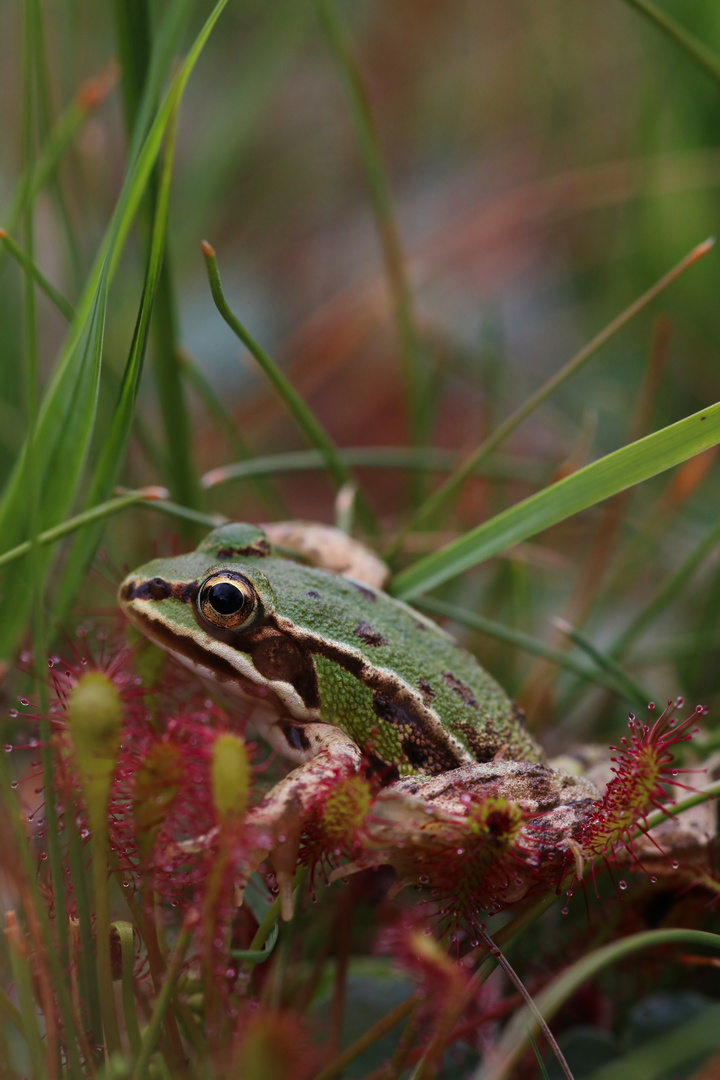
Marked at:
<point>141,613</point>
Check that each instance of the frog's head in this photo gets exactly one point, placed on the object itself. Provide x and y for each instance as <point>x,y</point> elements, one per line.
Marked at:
<point>204,605</point>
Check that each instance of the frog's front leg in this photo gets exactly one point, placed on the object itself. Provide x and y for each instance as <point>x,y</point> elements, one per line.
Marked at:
<point>327,755</point>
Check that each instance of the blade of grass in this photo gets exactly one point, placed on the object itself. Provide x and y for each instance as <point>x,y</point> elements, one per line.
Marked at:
<point>112,452</point>
<point>221,149</point>
<point>305,419</point>
<point>152,1032</point>
<point>451,486</point>
<point>513,1041</point>
<point>87,517</point>
<point>215,408</point>
<point>67,412</point>
<point>42,282</point>
<point>617,471</point>
<point>22,977</point>
<point>682,38</point>
<point>371,155</point>
<point>521,641</point>
<point>657,1057</point>
<point>632,690</point>
<point>134,36</point>
<point>45,938</point>
<point>126,937</point>
<point>89,96</point>
<point>364,457</point>
<point>32,21</point>
<point>668,591</point>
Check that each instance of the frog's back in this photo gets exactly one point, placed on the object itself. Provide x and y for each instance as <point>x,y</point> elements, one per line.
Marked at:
<point>388,675</point>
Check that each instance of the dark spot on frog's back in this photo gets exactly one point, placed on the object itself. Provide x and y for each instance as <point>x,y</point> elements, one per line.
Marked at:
<point>367,594</point>
<point>463,692</point>
<point>368,636</point>
<point>427,691</point>
<point>312,594</point>
<point>259,549</point>
<point>407,718</point>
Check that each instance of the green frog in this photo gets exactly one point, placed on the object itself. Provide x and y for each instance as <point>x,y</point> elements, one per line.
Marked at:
<point>337,675</point>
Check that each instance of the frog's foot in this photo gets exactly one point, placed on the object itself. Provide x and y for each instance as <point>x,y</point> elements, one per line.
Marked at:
<point>285,809</point>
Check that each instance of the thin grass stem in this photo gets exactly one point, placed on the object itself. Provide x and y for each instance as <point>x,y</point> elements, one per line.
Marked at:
<point>698,52</point>
<point>55,298</point>
<point>305,419</point>
<point>451,486</point>
<point>368,142</point>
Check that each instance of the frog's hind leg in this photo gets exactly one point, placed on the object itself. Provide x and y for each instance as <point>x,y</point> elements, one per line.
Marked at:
<point>327,755</point>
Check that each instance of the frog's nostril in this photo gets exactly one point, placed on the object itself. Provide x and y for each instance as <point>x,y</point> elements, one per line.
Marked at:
<point>158,589</point>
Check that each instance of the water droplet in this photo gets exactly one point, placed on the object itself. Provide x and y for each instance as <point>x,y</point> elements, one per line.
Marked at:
<point>653,879</point>
<point>565,910</point>
<point>12,712</point>
<point>14,785</point>
<point>461,851</point>
<point>84,833</point>
<point>8,748</point>
<point>423,879</point>
<point>675,864</point>
<point>622,884</point>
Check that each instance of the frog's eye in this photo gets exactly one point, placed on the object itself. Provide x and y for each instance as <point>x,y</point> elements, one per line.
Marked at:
<point>228,601</point>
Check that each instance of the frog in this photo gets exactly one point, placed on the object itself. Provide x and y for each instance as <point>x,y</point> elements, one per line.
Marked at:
<point>337,675</point>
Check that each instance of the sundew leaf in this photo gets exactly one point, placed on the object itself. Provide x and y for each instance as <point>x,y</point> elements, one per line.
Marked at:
<point>614,473</point>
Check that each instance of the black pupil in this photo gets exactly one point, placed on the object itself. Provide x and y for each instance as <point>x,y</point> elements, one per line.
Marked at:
<point>226,599</point>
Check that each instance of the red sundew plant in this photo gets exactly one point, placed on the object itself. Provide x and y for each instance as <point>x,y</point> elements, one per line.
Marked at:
<point>643,771</point>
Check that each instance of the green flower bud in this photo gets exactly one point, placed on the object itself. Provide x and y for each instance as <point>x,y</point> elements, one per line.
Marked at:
<point>230,776</point>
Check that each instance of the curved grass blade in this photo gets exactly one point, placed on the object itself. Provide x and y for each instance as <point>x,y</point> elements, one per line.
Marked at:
<point>112,452</point>
<point>513,1042</point>
<point>426,458</point>
<point>452,485</point>
<point>692,46</point>
<point>305,419</point>
<point>65,309</point>
<point>368,142</point>
<point>67,412</point>
<point>617,471</point>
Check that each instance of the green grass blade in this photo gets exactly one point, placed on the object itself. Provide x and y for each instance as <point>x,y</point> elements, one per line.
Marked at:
<point>305,419</point>
<point>59,141</point>
<point>656,1058</point>
<point>513,1041</point>
<point>65,308</point>
<point>66,416</point>
<point>425,458</point>
<point>266,492</point>
<point>617,471</point>
<point>112,453</point>
<point>368,142</point>
<point>690,45</point>
<point>668,591</point>
<point>453,484</point>
<point>632,690</point>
